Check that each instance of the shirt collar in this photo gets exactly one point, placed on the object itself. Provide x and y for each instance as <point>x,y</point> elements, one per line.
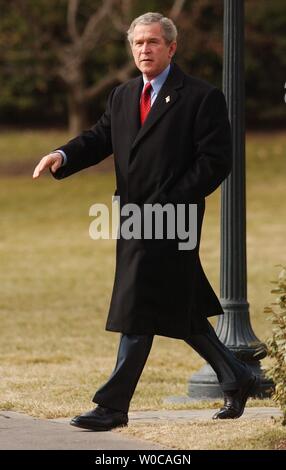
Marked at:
<point>158,81</point>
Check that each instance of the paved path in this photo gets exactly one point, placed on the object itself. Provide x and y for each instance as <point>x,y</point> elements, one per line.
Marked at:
<point>188,415</point>
<point>21,432</point>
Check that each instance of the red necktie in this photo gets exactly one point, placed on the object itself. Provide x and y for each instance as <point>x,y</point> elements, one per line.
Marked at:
<point>145,103</point>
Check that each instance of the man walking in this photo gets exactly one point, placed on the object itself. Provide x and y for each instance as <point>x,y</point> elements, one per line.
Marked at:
<point>171,140</point>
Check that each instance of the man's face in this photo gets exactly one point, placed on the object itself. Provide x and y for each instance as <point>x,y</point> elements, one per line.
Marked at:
<point>150,51</point>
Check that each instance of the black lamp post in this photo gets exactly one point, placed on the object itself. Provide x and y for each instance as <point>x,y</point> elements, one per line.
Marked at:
<point>233,328</point>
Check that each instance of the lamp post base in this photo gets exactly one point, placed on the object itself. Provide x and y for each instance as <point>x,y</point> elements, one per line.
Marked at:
<point>204,384</point>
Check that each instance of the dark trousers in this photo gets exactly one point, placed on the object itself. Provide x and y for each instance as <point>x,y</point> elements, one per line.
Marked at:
<point>132,355</point>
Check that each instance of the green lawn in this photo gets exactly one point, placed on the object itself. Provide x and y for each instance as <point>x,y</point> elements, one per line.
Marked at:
<point>25,147</point>
<point>56,282</point>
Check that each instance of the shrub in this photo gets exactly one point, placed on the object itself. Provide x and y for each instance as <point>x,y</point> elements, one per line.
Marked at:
<point>276,345</point>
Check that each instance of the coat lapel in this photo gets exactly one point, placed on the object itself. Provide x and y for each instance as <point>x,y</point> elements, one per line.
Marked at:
<point>166,98</point>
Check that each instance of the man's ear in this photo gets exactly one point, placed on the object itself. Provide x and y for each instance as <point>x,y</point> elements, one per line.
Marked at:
<point>173,48</point>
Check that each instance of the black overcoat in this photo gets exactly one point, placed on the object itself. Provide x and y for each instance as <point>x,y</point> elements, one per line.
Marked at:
<point>180,155</point>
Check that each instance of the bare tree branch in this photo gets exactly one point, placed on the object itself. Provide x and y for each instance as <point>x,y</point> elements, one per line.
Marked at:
<point>113,77</point>
<point>126,8</point>
<point>95,24</point>
<point>71,20</point>
<point>118,23</point>
<point>122,19</point>
<point>176,8</point>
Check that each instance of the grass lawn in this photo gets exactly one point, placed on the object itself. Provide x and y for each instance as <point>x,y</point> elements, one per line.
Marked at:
<point>56,282</point>
<point>242,434</point>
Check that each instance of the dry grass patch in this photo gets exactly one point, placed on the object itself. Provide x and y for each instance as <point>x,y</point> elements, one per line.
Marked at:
<point>242,434</point>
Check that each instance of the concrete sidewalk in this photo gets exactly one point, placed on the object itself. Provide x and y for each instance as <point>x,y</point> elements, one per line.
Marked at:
<point>21,432</point>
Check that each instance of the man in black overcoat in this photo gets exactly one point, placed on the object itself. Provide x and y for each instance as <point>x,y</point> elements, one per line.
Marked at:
<point>171,140</point>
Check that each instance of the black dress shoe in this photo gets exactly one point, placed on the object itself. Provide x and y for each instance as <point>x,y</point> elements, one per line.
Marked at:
<point>234,403</point>
<point>101,419</point>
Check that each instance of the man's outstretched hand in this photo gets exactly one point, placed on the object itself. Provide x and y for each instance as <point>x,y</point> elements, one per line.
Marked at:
<point>52,160</point>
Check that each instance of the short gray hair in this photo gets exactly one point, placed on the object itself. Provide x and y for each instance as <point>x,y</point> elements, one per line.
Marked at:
<point>169,30</point>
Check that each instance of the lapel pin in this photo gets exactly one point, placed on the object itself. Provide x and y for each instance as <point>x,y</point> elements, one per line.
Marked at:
<point>168,99</point>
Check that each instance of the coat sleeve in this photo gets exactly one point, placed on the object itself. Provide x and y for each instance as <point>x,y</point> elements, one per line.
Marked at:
<point>212,161</point>
<point>90,147</point>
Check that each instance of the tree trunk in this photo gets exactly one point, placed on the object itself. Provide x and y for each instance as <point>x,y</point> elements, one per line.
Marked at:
<point>77,113</point>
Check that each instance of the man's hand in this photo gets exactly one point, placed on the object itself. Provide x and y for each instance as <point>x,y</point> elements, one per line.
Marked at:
<point>52,160</point>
